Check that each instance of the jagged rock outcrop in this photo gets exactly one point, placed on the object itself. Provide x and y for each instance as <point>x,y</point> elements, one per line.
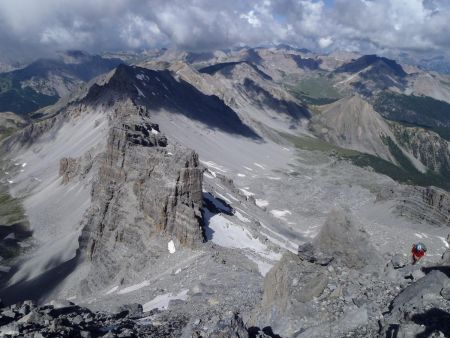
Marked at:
<point>331,286</point>
<point>341,238</point>
<point>65,319</point>
<point>293,281</point>
<point>68,168</point>
<point>144,187</point>
<point>71,168</point>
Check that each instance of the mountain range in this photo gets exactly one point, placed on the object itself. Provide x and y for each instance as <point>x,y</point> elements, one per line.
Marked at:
<point>260,192</point>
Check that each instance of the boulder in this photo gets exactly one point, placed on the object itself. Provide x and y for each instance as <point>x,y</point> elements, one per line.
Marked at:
<point>231,326</point>
<point>398,261</point>
<point>132,309</point>
<point>445,293</point>
<point>293,281</point>
<point>341,238</point>
<point>420,303</point>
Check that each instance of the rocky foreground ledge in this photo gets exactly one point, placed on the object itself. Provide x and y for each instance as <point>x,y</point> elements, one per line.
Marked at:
<point>66,319</point>
<point>338,285</point>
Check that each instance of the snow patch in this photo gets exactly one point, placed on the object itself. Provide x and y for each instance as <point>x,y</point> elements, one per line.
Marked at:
<point>213,165</point>
<point>223,197</point>
<point>171,247</point>
<point>208,175</point>
<point>241,217</point>
<point>261,203</point>
<point>263,266</point>
<point>249,169</point>
<point>142,77</point>
<point>225,233</point>
<point>444,241</point>
<point>133,288</point>
<point>140,93</point>
<point>213,173</point>
<point>161,302</point>
<point>281,214</point>
<point>232,197</point>
<point>259,165</point>
<point>114,289</point>
<point>241,175</point>
<point>246,192</point>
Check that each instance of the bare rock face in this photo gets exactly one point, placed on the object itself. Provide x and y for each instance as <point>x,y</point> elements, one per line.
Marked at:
<point>421,309</point>
<point>293,281</point>
<point>427,146</point>
<point>422,204</point>
<point>144,188</point>
<point>71,169</point>
<point>320,290</point>
<point>347,243</point>
<point>289,290</point>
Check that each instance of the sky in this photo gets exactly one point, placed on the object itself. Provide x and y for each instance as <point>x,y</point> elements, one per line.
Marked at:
<point>39,27</point>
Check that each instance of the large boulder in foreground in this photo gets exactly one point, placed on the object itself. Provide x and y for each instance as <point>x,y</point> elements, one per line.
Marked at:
<point>290,288</point>
<point>343,240</point>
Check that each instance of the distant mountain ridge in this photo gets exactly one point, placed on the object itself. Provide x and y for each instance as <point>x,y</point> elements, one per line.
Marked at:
<point>44,81</point>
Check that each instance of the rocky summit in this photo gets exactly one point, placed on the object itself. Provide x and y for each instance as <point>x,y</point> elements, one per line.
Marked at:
<point>247,192</point>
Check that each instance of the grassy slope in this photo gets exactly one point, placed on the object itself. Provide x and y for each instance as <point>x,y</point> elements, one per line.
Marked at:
<point>315,90</point>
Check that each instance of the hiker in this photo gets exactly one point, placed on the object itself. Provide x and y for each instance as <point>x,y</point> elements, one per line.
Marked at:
<point>417,252</point>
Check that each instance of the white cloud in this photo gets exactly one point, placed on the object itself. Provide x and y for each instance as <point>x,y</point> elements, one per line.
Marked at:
<point>41,26</point>
<point>325,42</point>
<point>251,19</point>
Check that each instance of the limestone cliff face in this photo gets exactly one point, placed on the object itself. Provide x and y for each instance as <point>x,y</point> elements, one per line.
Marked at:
<point>427,204</point>
<point>427,146</point>
<point>145,188</point>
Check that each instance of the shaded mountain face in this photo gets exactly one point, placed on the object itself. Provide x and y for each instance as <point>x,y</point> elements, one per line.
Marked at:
<point>290,108</point>
<point>377,62</point>
<point>44,81</point>
<point>418,110</point>
<point>306,63</point>
<point>373,74</point>
<point>159,90</point>
<point>227,67</point>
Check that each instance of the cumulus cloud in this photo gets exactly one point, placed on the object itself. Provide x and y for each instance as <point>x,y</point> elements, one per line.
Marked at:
<point>325,42</point>
<point>44,26</point>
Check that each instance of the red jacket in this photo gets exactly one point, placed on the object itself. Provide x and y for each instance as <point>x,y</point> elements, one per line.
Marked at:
<point>417,253</point>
